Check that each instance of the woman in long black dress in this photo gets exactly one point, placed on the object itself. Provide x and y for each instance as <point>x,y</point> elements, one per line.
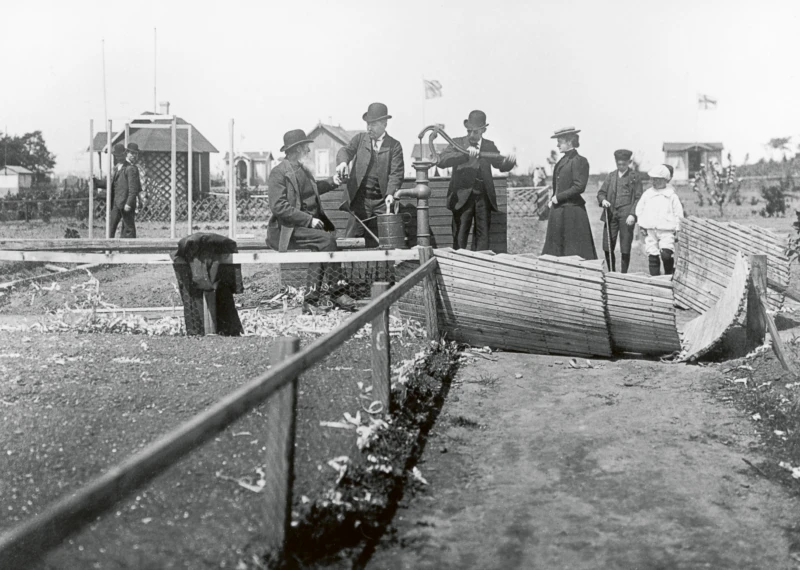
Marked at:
<point>568,229</point>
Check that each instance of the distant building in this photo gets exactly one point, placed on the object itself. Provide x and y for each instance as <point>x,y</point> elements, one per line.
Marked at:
<point>155,155</point>
<point>12,178</point>
<point>687,158</point>
<point>252,167</point>
<point>328,139</point>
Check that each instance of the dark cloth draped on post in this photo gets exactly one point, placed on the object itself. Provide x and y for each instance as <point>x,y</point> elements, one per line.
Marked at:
<point>568,229</point>
<point>203,273</point>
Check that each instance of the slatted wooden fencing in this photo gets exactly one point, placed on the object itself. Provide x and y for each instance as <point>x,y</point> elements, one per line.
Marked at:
<point>641,314</point>
<point>547,305</point>
<point>706,257</point>
<point>441,218</point>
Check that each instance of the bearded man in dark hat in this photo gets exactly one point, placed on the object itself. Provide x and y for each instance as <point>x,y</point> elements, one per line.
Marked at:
<point>298,221</point>
<point>471,195</point>
<point>618,197</point>
<point>372,163</point>
<point>125,188</point>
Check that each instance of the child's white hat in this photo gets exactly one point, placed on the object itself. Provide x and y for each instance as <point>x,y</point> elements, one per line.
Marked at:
<point>659,171</point>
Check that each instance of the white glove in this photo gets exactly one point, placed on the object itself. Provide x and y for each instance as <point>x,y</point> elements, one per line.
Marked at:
<point>606,204</point>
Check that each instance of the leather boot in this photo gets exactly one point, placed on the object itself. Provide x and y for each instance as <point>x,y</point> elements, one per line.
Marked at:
<point>654,261</point>
<point>669,261</point>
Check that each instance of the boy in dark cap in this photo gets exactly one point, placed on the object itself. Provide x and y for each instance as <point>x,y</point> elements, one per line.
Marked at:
<point>618,197</point>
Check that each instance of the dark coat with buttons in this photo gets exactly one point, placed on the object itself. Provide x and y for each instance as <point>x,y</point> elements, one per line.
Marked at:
<point>389,165</point>
<point>623,193</point>
<point>125,185</point>
<point>465,171</point>
<point>287,205</point>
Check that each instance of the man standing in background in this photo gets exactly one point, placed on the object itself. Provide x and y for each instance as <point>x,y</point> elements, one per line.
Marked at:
<point>125,187</point>
<point>618,196</point>
<point>374,163</point>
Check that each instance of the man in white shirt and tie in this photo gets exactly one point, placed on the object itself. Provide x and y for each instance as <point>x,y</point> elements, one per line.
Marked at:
<point>471,195</point>
<point>372,163</point>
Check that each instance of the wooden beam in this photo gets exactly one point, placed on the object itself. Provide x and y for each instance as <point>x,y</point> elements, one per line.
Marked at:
<point>279,433</point>
<point>250,257</point>
<point>140,244</point>
<point>756,324</point>
<point>109,179</point>
<point>429,297</point>
<point>189,182</point>
<point>759,284</point>
<point>91,179</point>
<point>173,178</point>
<point>28,542</point>
<point>381,351</point>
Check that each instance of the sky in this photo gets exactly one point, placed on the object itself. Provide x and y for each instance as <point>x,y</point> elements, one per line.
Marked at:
<point>625,72</point>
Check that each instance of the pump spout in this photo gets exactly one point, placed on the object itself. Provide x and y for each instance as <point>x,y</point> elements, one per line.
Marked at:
<point>418,192</point>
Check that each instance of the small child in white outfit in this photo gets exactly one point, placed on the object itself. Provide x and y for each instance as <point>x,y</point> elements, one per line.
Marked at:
<point>659,213</point>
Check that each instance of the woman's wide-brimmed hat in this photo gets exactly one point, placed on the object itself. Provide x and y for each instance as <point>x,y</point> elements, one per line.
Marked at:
<point>376,112</point>
<point>566,131</point>
<point>476,120</point>
<point>294,138</point>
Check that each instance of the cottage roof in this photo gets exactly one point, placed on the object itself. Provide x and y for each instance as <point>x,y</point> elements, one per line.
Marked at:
<point>680,147</point>
<point>15,170</point>
<point>342,135</point>
<point>156,140</point>
<point>259,156</point>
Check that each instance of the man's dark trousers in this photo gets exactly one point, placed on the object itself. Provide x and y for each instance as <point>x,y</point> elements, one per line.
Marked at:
<point>618,227</point>
<point>128,223</point>
<point>478,209</point>
<point>365,208</point>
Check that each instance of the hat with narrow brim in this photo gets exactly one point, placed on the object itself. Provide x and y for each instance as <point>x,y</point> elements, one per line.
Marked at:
<point>622,154</point>
<point>132,147</point>
<point>119,148</point>
<point>565,132</point>
<point>476,120</point>
<point>293,138</point>
<point>376,112</point>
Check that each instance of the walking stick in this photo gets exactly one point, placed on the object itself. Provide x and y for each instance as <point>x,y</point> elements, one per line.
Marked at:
<point>608,235</point>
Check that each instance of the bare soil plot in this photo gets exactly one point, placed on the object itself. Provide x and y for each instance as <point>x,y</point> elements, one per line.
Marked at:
<point>74,404</point>
<point>630,464</point>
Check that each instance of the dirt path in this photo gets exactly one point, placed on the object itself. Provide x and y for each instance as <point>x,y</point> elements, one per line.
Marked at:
<point>631,465</point>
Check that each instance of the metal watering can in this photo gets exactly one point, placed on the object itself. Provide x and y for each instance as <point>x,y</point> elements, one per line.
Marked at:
<point>391,227</point>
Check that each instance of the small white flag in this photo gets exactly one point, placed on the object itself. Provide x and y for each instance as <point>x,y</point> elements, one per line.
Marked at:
<point>705,102</point>
<point>433,88</point>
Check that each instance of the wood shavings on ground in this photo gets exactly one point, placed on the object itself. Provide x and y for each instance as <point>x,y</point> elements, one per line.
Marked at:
<point>246,482</point>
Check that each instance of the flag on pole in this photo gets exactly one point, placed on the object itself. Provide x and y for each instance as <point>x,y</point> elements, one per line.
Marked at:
<point>705,102</point>
<point>433,88</point>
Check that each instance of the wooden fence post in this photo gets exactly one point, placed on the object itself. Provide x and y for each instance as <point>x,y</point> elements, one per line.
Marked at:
<point>381,351</point>
<point>280,410</point>
<point>756,324</point>
<point>758,277</point>
<point>429,296</point>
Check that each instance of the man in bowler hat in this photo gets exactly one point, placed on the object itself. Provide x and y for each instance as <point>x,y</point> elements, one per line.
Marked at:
<point>298,220</point>
<point>373,161</point>
<point>471,194</point>
<point>125,188</point>
<point>618,196</point>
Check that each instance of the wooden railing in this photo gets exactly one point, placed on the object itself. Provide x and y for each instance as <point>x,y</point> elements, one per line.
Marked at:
<point>30,541</point>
